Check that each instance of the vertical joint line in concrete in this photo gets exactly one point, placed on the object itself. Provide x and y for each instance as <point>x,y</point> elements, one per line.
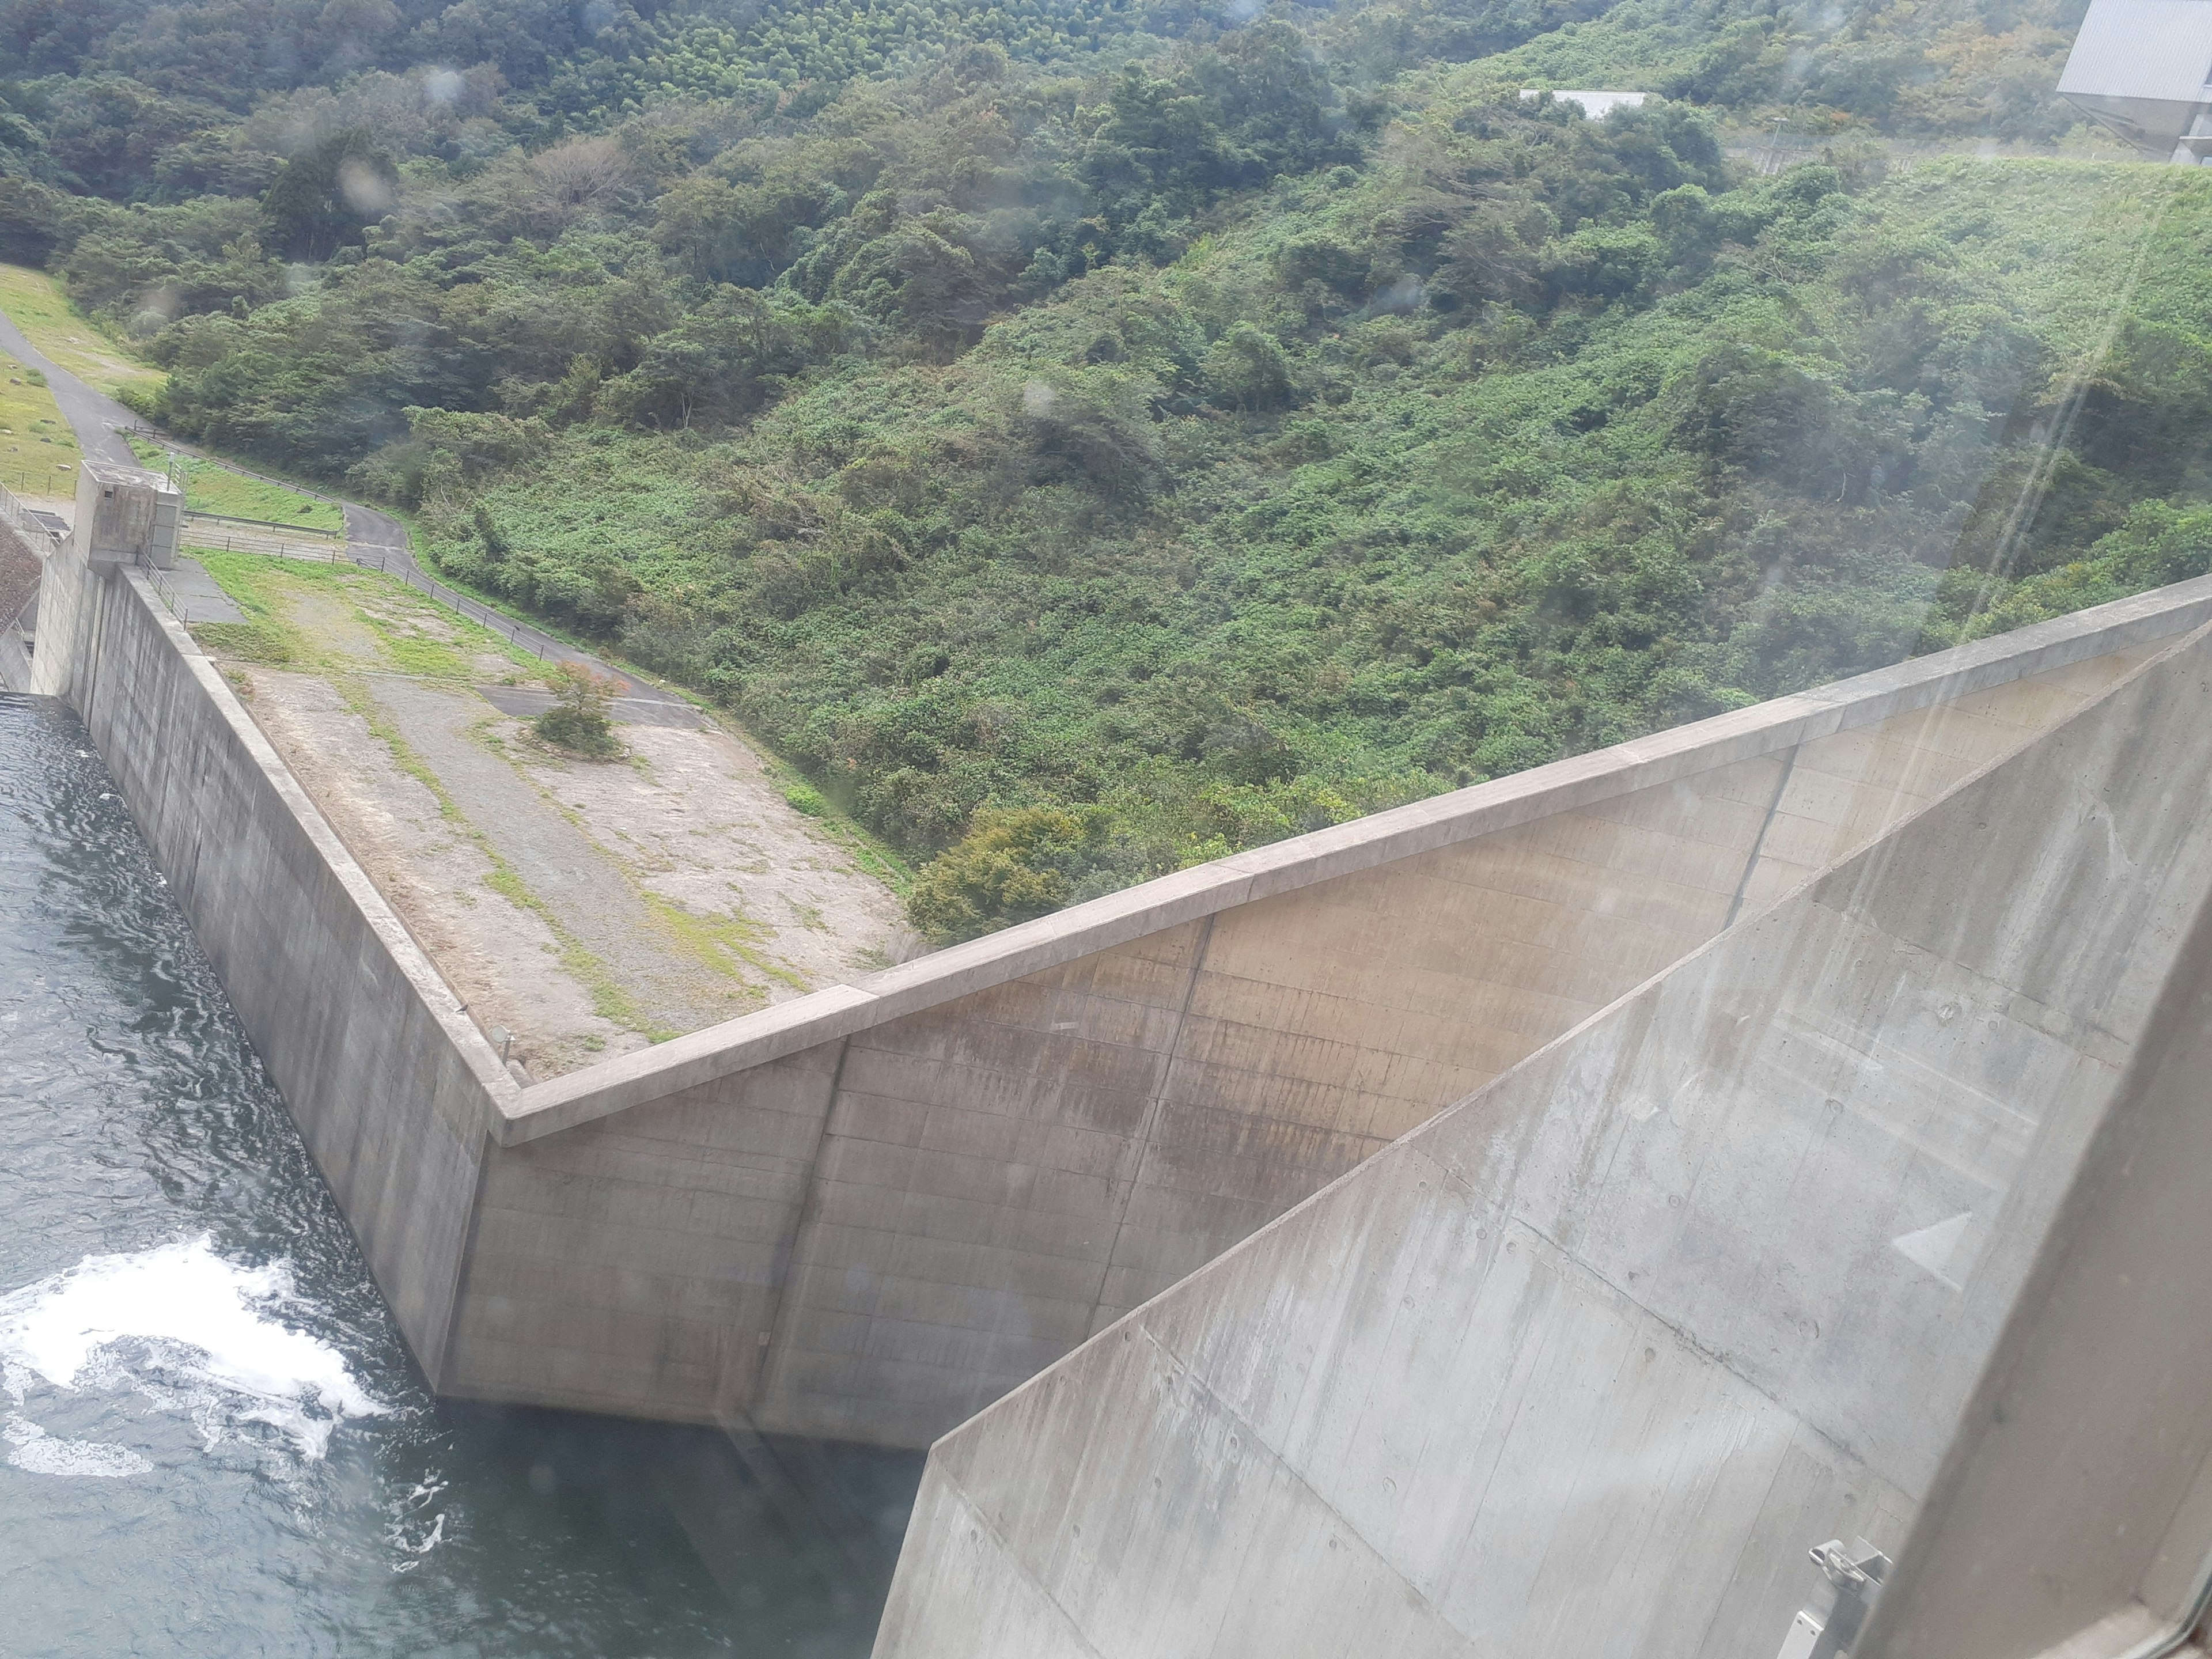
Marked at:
<point>440,1371</point>
<point>1758,842</point>
<point>1152,1111</point>
<point>809,1206</point>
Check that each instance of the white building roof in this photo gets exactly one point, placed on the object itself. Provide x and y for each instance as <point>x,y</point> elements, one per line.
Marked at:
<point>2157,50</point>
<point>1597,104</point>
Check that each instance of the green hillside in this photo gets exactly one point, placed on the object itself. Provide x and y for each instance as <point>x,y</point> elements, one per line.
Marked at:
<point>1088,438</point>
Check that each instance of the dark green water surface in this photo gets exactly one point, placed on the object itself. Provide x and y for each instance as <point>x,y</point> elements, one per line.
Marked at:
<point>212,1440</point>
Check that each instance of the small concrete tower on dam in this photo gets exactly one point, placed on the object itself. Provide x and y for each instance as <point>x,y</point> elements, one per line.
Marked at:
<point>124,516</point>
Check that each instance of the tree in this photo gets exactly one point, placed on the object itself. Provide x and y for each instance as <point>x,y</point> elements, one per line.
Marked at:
<point>1013,865</point>
<point>1248,369</point>
<point>324,198</point>
<point>578,718</point>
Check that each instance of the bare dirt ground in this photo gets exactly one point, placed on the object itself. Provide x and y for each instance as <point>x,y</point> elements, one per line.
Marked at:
<point>587,908</point>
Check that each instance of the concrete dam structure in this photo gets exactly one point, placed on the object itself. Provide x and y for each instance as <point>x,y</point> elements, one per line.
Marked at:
<point>1586,1365</point>
<point>1637,1159</point>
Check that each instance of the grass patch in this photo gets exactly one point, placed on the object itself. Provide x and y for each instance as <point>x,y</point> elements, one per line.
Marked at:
<point>268,644</point>
<point>424,659</point>
<point>609,1000</point>
<point>251,578</point>
<point>391,611</point>
<point>36,304</point>
<point>725,944</point>
<point>211,487</point>
<point>874,857</point>
<point>37,450</point>
<point>266,636</point>
<point>258,585</point>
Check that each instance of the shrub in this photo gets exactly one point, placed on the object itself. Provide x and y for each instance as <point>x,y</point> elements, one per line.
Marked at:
<point>1013,865</point>
<point>577,721</point>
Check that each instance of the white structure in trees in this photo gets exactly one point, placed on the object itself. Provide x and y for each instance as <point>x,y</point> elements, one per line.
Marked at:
<point>2141,67</point>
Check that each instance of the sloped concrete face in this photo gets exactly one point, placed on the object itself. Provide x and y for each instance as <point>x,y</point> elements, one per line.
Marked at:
<point>2072,1518</point>
<point>876,1236</point>
<point>867,1213</point>
<point>393,1089</point>
<point>1584,1365</point>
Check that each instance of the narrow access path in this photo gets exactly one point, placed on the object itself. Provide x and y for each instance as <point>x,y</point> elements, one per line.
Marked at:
<point>372,538</point>
<point>98,419</point>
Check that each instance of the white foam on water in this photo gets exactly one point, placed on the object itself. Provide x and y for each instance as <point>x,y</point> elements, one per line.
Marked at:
<point>40,1453</point>
<point>405,1534</point>
<point>188,1330</point>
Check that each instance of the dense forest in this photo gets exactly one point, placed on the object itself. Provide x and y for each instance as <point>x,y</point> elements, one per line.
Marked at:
<point>1090,436</point>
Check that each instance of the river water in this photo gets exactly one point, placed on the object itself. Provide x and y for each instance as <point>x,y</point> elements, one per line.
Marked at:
<point>212,1440</point>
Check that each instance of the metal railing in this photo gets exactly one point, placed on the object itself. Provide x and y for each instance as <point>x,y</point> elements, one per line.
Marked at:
<point>483,615</point>
<point>16,617</point>
<point>331,551</point>
<point>60,480</point>
<point>391,562</point>
<point>159,580</point>
<point>19,518</point>
<point>262,524</point>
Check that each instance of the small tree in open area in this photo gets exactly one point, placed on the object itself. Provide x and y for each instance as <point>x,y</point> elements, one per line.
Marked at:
<point>578,718</point>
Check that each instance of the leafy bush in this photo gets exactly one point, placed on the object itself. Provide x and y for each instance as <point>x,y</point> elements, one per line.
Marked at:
<point>1011,866</point>
<point>577,721</point>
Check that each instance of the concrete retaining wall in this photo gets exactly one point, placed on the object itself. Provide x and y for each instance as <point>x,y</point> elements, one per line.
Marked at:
<point>392,1086</point>
<point>1584,1366</point>
<point>865,1214</point>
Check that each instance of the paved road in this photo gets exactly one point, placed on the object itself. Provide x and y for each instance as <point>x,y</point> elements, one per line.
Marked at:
<point>372,538</point>
<point>96,416</point>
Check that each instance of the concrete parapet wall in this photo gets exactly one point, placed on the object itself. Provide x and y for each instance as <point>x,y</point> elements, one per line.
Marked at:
<point>1584,1365</point>
<point>867,1213</point>
<point>392,1086</point>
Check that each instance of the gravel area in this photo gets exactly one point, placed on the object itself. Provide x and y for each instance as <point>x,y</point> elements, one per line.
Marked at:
<point>584,908</point>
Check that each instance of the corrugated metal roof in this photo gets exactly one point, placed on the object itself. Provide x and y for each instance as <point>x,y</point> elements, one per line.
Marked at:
<point>2153,49</point>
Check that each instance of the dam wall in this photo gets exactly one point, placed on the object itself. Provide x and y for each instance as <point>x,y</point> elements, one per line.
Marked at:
<point>392,1086</point>
<point>20,568</point>
<point>865,1214</point>
<point>1584,1365</point>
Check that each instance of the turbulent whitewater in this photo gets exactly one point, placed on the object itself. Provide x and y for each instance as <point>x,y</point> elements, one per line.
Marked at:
<point>212,1441</point>
<point>188,1331</point>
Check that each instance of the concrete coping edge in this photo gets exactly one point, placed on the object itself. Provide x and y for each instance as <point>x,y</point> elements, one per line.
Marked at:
<point>413,961</point>
<point>839,1010</point>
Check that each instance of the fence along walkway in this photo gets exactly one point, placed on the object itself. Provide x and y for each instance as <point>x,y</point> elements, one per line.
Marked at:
<point>30,526</point>
<point>212,531</point>
<point>389,561</point>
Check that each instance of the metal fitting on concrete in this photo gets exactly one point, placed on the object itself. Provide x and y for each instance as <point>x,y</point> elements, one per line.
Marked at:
<point>1854,1578</point>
